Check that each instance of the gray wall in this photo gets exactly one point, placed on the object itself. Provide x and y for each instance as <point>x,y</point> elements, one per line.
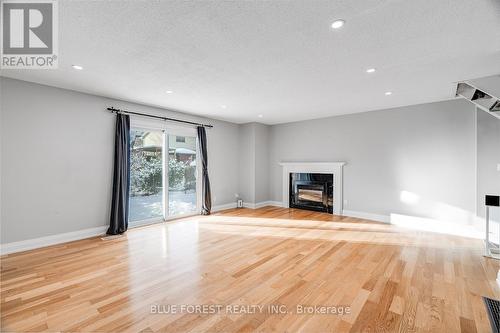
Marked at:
<point>254,162</point>
<point>1,154</point>
<point>426,150</point>
<point>56,158</point>
<point>56,164</point>
<point>261,162</point>
<point>246,162</point>
<point>488,159</point>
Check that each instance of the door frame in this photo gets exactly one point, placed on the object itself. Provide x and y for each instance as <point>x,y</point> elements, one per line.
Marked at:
<point>181,131</point>
<point>150,124</point>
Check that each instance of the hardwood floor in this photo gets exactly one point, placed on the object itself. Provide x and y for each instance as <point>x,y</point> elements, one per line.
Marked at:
<point>391,279</point>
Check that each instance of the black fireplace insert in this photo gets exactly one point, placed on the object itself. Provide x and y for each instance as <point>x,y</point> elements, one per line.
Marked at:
<point>312,191</point>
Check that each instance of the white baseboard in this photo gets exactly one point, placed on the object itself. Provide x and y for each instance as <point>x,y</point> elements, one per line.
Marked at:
<point>367,216</point>
<point>143,223</point>
<point>249,205</point>
<point>35,243</point>
<point>223,207</point>
<point>272,203</point>
<point>262,204</point>
<point>351,213</point>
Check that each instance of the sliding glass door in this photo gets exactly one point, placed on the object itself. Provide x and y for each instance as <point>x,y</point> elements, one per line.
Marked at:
<point>161,160</point>
<point>146,175</point>
<point>181,174</point>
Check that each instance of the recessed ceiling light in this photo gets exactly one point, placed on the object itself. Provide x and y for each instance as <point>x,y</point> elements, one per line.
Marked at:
<point>387,93</point>
<point>338,24</point>
<point>260,116</point>
<point>370,70</point>
<point>77,67</point>
<point>223,106</point>
<point>169,91</point>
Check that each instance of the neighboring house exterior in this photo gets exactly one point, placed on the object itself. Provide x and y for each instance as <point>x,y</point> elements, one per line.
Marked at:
<point>182,147</point>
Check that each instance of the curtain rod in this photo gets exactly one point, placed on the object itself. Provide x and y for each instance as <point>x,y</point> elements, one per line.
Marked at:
<point>113,110</point>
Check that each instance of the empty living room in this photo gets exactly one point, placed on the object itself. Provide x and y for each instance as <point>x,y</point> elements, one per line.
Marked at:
<point>250,166</point>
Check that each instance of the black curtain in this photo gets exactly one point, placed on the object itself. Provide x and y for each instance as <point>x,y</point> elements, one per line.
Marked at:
<point>206,195</point>
<point>118,222</point>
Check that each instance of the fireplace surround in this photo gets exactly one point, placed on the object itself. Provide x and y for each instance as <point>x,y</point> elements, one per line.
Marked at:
<point>334,169</point>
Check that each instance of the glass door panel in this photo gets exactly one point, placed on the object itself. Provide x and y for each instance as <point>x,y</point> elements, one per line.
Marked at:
<point>181,174</point>
<point>146,174</point>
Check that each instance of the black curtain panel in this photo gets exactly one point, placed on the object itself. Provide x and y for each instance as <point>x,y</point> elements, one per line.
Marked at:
<point>118,222</point>
<point>206,195</point>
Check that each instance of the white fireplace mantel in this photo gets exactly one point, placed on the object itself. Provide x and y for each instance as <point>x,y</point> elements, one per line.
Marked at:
<point>335,168</point>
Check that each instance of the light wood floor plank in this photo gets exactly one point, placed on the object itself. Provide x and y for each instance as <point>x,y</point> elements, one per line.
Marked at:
<point>393,279</point>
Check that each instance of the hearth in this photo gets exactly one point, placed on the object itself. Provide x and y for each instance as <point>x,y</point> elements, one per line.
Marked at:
<point>312,191</point>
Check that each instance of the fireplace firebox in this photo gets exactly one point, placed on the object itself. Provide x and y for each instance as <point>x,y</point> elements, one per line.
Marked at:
<point>312,191</point>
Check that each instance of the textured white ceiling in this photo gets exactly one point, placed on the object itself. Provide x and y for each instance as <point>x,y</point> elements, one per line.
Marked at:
<point>276,58</point>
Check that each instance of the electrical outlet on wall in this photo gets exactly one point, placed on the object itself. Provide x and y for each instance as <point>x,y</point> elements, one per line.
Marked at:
<point>498,167</point>
<point>345,202</point>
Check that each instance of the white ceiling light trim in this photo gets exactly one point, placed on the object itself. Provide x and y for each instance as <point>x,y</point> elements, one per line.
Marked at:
<point>337,24</point>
